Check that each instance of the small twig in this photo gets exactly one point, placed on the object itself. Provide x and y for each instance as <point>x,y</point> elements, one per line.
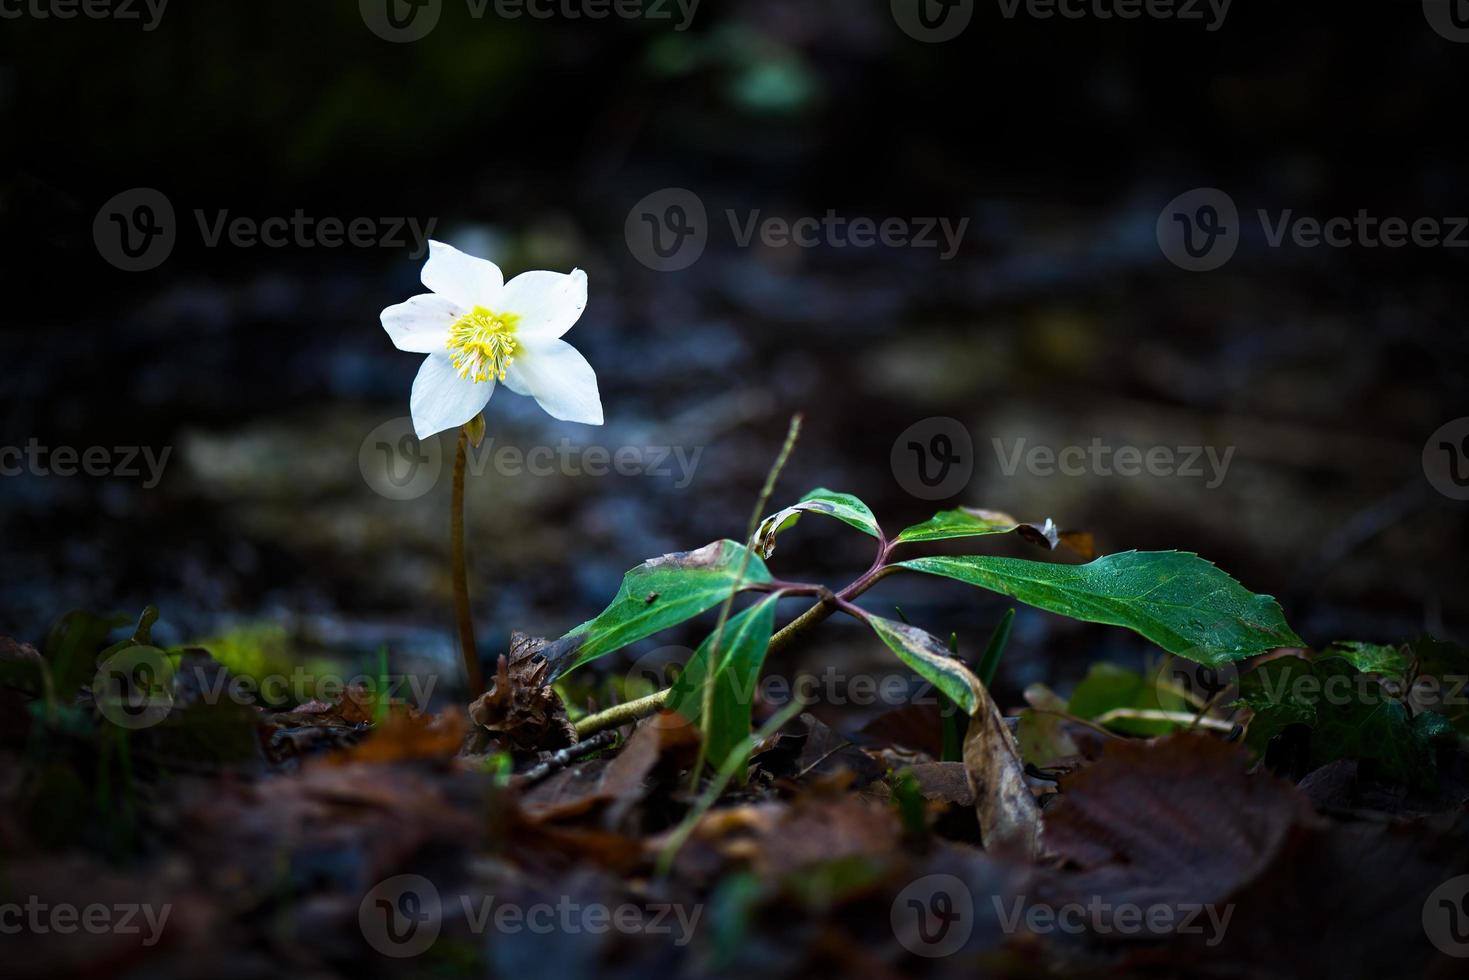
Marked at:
<point>1177,717</point>
<point>564,757</point>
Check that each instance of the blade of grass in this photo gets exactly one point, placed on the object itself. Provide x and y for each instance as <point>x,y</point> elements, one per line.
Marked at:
<point>721,779</point>
<point>995,649</point>
<point>707,702</point>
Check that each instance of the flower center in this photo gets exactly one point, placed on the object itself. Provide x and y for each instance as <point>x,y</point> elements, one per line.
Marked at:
<point>482,344</point>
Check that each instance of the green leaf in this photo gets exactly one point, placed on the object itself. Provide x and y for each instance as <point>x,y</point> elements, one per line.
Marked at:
<point>71,650</point>
<point>741,655</point>
<point>842,506</point>
<point>1009,819</point>
<point>1371,658</point>
<point>963,522</point>
<point>930,660</point>
<point>995,649</point>
<point>1350,714</point>
<point>658,594</point>
<point>1441,679</point>
<point>1107,687</point>
<point>1178,600</point>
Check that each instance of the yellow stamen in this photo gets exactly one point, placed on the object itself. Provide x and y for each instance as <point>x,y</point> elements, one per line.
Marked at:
<point>483,344</point>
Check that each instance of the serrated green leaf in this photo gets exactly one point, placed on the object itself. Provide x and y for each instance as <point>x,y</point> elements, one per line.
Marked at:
<point>930,659</point>
<point>1181,602</point>
<point>741,655</point>
<point>659,594</point>
<point>843,506</point>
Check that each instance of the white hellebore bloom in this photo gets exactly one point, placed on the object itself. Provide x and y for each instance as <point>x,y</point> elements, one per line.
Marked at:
<point>477,329</point>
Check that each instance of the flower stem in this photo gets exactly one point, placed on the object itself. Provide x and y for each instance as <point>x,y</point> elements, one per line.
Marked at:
<point>467,646</point>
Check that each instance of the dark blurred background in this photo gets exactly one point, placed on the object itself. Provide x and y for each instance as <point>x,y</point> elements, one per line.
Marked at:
<point>1060,320</point>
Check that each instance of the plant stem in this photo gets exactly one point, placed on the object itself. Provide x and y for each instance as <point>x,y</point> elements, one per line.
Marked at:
<point>467,646</point>
<point>706,703</point>
<point>624,714</point>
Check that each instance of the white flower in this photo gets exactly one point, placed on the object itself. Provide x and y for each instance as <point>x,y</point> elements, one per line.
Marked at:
<point>477,329</point>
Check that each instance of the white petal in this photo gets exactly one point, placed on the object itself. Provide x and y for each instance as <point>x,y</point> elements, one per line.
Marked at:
<point>560,379</point>
<point>466,280</point>
<point>442,399</point>
<point>548,303</point>
<point>421,325</point>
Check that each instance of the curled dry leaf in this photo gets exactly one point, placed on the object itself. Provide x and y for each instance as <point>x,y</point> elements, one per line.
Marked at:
<point>521,708</point>
<point>1009,817</point>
